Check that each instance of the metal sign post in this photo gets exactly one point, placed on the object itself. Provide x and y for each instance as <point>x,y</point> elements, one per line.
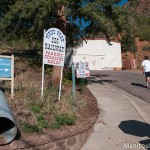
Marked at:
<point>60,83</point>
<point>7,70</point>
<point>42,89</point>
<point>73,83</point>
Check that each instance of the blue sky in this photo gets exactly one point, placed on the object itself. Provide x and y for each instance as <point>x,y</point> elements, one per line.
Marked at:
<point>123,2</point>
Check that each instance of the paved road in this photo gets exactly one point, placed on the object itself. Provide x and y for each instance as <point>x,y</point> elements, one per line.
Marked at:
<point>130,81</point>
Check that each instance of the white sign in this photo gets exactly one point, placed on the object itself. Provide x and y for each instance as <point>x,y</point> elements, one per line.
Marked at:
<point>54,46</point>
<point>87,69</point>
<point>82,69</point>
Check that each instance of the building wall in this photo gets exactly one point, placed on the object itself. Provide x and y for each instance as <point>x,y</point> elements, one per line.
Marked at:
<point>99,54</point>
<point>113,55</point>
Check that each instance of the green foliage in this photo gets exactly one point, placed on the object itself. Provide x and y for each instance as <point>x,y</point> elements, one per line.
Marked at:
<point>48,70</point>
<point>28,19</point>
<point>36,61</point>
<point>127,43</point>
<point>42,123</point>
<point>144,34</point>
<point>30,128</point>
<point>37,107</point>
<point>35,113</point>
<point>67,79</point>
<point>138,27</point>
<point>140,22</point>
<point>143,31</point>
<point>35,128</point>
<point>64,119</point>
<point>14,44</point>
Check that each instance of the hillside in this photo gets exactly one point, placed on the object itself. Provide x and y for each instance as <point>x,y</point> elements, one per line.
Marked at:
<point>140,10</point>
<point>140,6</point>
<point>140,18</point>
<point>143,7</point>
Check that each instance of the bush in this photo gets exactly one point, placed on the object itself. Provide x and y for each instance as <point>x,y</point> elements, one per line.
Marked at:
<point>42,123</point>
<point>144,34</point>
<point>64,119</point>
<point>30,128</point>
<point>143,30</point>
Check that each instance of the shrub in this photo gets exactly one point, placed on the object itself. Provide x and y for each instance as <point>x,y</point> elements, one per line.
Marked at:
<point>30,128</point>
<point>64,119</point>
<point>36,108</point>
<point>42,123</point>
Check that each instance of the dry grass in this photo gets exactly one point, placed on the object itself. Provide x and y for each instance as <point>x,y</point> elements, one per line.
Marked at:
<point>27,106</point>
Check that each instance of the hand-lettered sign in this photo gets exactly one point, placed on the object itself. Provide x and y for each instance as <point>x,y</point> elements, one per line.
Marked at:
<point>54,47</point>
<point>82,69</point>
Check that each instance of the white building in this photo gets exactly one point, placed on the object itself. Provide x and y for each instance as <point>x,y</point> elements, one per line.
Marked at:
<point>100,54</point>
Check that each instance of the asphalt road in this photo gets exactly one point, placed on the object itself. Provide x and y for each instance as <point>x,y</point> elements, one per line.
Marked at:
<point>128,80</point>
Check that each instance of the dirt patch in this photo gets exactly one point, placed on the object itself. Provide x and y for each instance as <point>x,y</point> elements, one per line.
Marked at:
<point>27,93</point>
<point>83,114</point>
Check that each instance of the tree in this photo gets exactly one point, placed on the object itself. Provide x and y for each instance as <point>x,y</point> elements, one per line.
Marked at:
<point>76,18</point>
<point>81,18</point>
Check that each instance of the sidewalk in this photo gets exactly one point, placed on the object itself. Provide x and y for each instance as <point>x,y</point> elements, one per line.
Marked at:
<point>122,122</point>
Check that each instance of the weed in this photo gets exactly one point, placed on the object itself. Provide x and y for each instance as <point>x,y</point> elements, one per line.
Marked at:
<point>64,119</point>
<point>46,112</point>
<point>48,70</point>
<point>42,123</point>
<point>30,128</point>
<point>36,108</point>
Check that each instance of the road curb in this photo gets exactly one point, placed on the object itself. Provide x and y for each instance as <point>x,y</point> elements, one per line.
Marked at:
<point>131,99</point>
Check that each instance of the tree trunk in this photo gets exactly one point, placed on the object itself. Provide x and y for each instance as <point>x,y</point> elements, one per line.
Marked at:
<point>56,73</point>
<point>61,25</point>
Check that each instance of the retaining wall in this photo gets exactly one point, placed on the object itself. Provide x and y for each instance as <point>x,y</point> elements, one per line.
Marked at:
<point>70,138</point>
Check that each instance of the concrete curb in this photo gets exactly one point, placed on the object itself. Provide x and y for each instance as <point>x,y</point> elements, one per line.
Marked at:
<point>131,100</point>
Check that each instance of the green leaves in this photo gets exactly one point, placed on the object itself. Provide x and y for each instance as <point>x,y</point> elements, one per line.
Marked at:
<point>143,30</point>
<point>76,18</point>
<point>64,119</point>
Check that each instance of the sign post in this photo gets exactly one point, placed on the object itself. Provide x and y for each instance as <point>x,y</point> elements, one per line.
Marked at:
<point>42,89</point>
<point>60,83</point>
<point>73,83</point>
<point>82,71</point>
<point>7,70</point>
<point>54,46</point>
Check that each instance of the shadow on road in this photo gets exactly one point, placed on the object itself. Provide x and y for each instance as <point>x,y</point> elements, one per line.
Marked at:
<point>100,81</point>
<point>145,144</point>
<point>99,75</point>
<point>138,84</point>
<point>137,128</point>
<point>94,79</point>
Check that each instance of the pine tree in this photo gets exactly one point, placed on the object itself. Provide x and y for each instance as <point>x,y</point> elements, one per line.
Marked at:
<point>78,19</point>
